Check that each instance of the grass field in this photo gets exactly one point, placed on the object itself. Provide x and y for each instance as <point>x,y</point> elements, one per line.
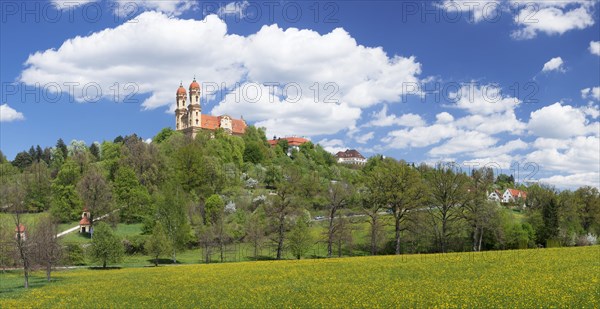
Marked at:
<point>562,277</point>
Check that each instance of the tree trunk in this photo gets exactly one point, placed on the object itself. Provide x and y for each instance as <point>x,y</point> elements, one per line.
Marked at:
<point>373,236</point>
<point>330,232</point>
<point>280,239</point>
<point>26,274</point>
<point>207,254</point>
<point>475,238</point>
<point>397,230</point>
<point>156,261</point>
<point>48,270</point>
<point>104,264</point>
<point>221,249</point>
<point>480,238</point>
<point>443,236</point>
<point>255,250</point>
<point>26,279</point>
<point>174,256</point>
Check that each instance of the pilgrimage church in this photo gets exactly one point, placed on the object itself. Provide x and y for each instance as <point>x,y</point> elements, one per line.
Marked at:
<point>190,119</point>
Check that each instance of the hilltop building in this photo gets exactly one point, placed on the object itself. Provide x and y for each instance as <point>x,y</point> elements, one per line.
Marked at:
<point>190,121</point>
<point>350,156</point>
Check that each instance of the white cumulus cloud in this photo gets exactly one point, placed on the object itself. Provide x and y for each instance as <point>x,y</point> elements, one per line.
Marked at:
<point>595,48</point>
<point>158,51</point>
<point>574,181</point>
<point>551,17</point>
<point>483,99</point>
<point>559,121</point>
<point>554,64</point>
<point>8,114</point>
<point>591,93</point>
<point>333,145</point>
<point>383,119</point>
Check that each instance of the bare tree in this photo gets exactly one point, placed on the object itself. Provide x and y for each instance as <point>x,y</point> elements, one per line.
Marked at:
<point>255,232</point>
<point>478,211</point>
<point>6,244</point>
<point>343,234</point>
<point>339,194</point>
<point>48,251</point>
<point>281,206</point>
<point>15,196</point>
<point>206,238</point>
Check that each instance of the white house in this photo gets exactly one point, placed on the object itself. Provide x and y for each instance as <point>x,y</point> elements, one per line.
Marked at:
<point>495,196</point>
<point>350,156</point>
<point>512,195</point>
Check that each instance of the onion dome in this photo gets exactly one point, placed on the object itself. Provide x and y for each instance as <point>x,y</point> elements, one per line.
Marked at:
<point>181,90</point>
<point>194,85</point>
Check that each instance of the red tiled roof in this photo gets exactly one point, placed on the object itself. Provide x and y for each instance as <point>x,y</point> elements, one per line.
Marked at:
<point>20,228</point>
<point>84,221</point>
<point>238,126</point>
<point>181,90</point>
<point>515,193</point>
<point>349,153</point>
<point>292,141</point>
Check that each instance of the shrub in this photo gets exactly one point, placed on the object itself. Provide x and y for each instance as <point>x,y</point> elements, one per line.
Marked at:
<point>134,244</point>
<point>73,255</point>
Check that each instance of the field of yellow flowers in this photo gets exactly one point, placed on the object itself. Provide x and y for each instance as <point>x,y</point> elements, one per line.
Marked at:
<point>562,277</point>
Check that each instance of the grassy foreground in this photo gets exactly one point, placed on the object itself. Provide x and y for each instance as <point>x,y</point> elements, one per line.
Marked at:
<point>562,277</point>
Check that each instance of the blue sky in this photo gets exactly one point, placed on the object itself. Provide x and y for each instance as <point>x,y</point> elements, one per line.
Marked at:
<point>496,82</point>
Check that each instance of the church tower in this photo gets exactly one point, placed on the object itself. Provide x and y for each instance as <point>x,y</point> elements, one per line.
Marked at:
<point>194,109</point>
<point>181,112</point>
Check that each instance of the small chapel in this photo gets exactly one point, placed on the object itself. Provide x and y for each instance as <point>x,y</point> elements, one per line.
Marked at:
<point>84,223</point>
<point>190,120</point>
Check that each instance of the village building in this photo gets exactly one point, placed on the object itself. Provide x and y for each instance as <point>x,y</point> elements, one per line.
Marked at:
<point>350,156</point>
<point>513,195</point>
<point>20,232</point>
<point>294,142</point>
<point>495,196</point>
<point>509,196</point>
<point>190,120</point>
<point>85,223</point>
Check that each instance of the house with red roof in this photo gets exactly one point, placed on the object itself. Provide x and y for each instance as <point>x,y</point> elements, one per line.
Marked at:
<point>513,195</point>
<point>85,223</point>
<point>20,232</point>
<point>190,120</point>
<point>294,142</point>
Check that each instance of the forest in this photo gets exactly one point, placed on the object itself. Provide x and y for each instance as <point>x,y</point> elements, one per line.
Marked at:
<point>219,190</point>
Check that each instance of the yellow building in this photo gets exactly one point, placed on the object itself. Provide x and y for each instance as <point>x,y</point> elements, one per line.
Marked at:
<point>190,120</point>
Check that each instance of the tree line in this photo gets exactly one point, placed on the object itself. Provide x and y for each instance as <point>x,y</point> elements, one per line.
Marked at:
<point>218,189</point>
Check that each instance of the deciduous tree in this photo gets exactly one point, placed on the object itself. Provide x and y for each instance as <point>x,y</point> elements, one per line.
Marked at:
<point>106,246</point>
<point>48,251</point>
<point>158,243</point>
